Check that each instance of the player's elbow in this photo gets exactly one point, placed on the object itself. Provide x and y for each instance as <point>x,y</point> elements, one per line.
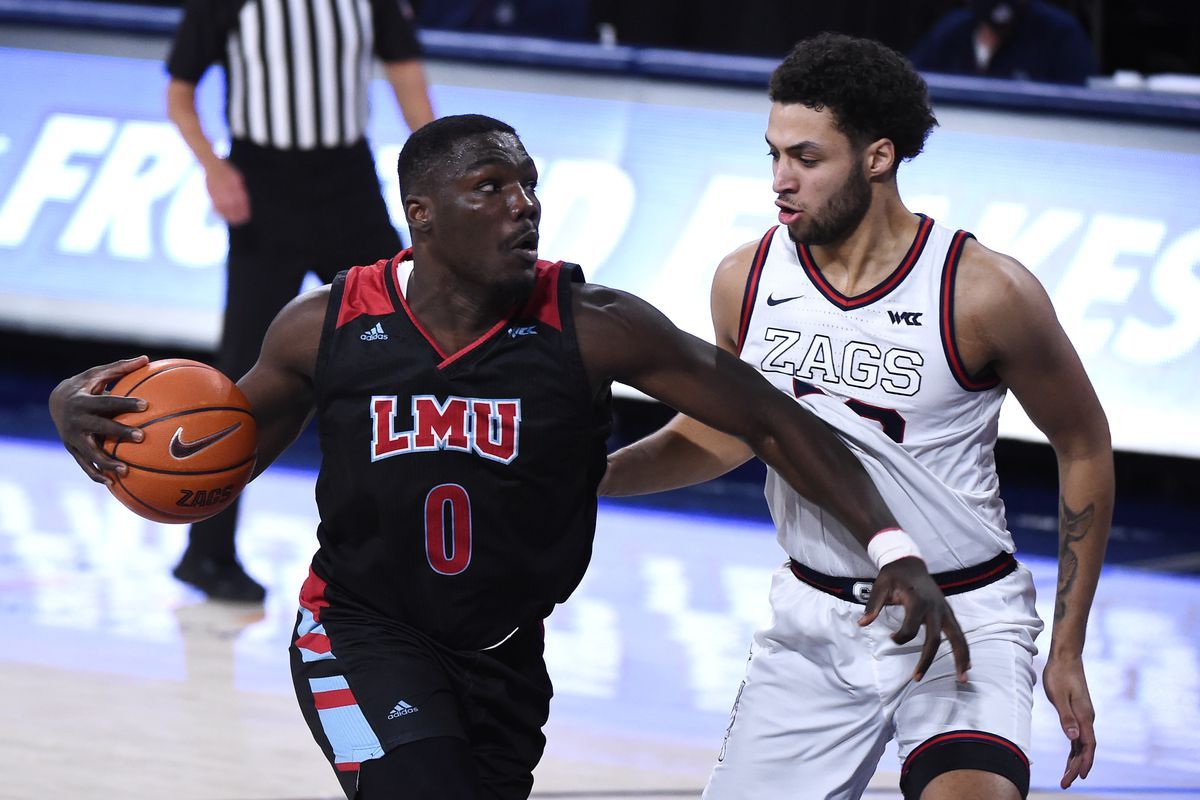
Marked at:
<point>765,445</point>
<point>800,455</point>
<point>1087,440</point>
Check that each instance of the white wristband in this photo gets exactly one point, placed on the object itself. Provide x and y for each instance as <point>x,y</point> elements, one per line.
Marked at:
<point>891,544</point>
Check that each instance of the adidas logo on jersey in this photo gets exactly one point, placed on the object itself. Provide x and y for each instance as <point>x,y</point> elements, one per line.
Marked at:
<point>402,708</point>
<point>374,334</point>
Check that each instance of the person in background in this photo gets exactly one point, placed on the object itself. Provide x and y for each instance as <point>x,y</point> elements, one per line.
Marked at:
<point>1020,39</point>
<point>298,188</point>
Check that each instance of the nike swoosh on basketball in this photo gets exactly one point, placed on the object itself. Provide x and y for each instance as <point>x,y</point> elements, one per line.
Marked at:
<point>181,449</point>
<point>772,301</point>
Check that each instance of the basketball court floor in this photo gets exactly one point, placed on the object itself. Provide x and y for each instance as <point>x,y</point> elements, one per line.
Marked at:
<point>121,682</point>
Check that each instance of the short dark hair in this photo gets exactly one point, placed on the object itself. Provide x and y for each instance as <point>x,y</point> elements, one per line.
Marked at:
<point>429,147</point>
<point>873,91</point>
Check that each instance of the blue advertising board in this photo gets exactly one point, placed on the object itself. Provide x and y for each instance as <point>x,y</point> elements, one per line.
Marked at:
<point>106,229</point>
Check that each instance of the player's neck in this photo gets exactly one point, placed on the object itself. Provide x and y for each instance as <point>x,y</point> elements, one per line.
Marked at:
<point>456,313</point>
<point>871,252</point>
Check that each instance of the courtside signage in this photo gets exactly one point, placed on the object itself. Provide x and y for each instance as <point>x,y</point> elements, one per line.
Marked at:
<point>106,230</point>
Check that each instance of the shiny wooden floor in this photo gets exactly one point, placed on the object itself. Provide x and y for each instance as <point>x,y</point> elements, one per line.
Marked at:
<point>121,682</point>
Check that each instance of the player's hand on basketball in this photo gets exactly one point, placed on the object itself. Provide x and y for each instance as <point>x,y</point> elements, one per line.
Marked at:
<point>228,192</point>
<point>1066,687</point>
<point>906,582</point>
<point>83,414</point>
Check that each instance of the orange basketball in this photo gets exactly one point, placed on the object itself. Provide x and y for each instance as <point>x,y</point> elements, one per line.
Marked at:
<point>199,446</point>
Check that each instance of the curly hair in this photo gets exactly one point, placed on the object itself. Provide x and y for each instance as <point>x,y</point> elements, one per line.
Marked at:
<point>873,91</point>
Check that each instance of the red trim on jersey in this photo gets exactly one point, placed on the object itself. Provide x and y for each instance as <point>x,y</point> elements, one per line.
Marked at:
<point>949,341</point>
<point>958,736</point>
<point>485,337</point>
<point>312,594</point>
<point>347,766</point>
<point>889,283</point>
<point>334,698</point>
<point>543,303</point>
<point>417,324</point>
<point>752,281</point>
<point>365,291</point>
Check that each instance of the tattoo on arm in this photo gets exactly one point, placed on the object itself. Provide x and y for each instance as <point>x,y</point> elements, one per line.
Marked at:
<point>1072,527</point>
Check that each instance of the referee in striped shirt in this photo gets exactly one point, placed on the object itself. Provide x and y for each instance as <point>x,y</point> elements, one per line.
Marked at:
<point>299,188</point>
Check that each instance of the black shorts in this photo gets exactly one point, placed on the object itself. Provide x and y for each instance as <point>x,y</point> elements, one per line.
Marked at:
<point>368,685</point>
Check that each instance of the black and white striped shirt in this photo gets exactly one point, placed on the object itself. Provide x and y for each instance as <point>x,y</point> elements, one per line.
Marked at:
<point>297,71</point>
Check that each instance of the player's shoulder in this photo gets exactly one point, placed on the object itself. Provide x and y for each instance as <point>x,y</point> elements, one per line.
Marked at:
<point>614,317</point>
<point>374,271</point>
<point>306,310</point>
<point>597,299</point>
<point>989,282</point>
<point>318,297</point>
<point>294,336</point>
<point>729,280</point>
<point>737,262</point>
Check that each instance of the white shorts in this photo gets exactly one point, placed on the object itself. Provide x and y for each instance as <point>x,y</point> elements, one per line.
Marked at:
<point>822,696</point>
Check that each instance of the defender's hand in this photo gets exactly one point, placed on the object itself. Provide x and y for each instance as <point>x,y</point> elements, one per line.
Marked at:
<point>1066,687</point>
<point>906,582</point>
<point>83,414</point>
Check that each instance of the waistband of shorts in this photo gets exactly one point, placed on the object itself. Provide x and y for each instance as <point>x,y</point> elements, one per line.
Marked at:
<point>957,581</point>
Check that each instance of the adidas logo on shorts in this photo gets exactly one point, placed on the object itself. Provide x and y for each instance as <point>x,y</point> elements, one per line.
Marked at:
<point>374,334</point>
<point>402,707</point>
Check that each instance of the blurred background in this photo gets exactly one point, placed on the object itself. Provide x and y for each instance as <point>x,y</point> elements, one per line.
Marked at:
<point>1069,138</point>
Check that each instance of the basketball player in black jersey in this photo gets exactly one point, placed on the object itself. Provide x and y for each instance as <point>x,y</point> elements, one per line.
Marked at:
<point>462,391</point>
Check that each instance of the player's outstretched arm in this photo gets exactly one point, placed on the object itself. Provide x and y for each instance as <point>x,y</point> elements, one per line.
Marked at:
<point>624,338</point>
<point>280,384</point>
<point>685,452</point>
<point>1004,307</point>
<point>278,387</point>
<point>682,453</point>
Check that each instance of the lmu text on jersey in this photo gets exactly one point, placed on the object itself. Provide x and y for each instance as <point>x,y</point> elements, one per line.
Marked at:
<point>488,428</point>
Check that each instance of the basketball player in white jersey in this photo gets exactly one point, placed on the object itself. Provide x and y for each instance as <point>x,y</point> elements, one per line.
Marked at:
<point>904,336</point>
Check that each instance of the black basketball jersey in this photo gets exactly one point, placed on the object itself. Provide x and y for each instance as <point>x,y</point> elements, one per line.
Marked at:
<point>457,491</point>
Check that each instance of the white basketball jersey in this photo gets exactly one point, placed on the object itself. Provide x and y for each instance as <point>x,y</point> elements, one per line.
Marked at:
<point>883,369</point>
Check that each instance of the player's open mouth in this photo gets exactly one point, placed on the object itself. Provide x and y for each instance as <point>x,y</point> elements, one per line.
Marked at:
<point>787,215</point>
<point>527,244</point>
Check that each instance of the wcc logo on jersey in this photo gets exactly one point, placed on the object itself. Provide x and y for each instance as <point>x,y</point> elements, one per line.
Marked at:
<point>906,317</point>
<point>488,428</point>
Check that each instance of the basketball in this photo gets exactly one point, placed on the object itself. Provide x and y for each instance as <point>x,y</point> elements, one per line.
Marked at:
<point>199,446</point>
